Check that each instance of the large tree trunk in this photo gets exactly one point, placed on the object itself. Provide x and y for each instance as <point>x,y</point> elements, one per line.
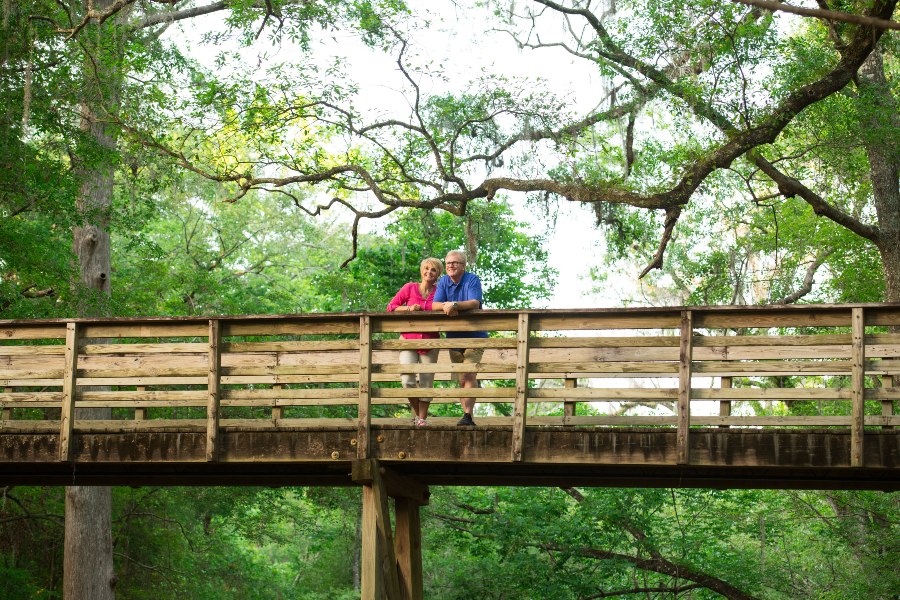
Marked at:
<point>88,565</point>
<point>880,123</point>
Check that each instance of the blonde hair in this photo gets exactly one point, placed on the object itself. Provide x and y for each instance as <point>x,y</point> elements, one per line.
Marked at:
<point>432,262</point>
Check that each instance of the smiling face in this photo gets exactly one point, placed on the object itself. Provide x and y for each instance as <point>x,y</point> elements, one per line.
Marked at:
<point>456,265</point>
<point>430,269</point>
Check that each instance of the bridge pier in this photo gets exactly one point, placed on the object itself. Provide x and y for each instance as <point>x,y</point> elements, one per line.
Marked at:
<point>391,558</point>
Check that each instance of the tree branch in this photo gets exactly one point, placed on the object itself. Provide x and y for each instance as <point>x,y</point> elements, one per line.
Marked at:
<point>830,15</point>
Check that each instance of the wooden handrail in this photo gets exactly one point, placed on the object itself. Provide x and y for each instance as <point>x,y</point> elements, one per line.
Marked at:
<point>287,370</point>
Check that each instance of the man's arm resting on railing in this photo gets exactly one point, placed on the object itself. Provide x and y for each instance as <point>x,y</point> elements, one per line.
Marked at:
<point>453,308</point>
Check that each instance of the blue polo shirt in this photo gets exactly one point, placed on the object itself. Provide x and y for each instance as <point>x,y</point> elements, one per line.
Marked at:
<point>468,288</point>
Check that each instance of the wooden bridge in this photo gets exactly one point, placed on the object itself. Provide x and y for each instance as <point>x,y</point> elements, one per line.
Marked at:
<point>792,396</point>
<point>731,396</point>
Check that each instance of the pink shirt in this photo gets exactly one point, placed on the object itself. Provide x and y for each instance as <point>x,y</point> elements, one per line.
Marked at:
<point>407,296</point>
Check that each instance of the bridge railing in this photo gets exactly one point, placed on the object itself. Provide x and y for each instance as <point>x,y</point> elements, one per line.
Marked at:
<point>797,366</point>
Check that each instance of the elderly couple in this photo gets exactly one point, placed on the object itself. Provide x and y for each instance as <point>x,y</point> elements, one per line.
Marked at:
<point>454,292</point>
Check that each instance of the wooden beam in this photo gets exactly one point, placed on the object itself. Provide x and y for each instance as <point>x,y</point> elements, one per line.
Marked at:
<point>364,414</point>
<point>408,548</point>
<point>858,381</point>
<point>70,376</point>
<point>683,408</point>
<point>379,578</point>
<point>569,406</point>
<point>520,409</point>
<point>725,405</point>
<point>395,484</point>
<point>213,392</point>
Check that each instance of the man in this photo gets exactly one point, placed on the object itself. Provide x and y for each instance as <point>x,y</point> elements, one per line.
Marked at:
<point>459,291</point>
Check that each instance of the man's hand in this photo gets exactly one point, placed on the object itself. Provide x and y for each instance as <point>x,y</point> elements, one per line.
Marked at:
<point>450,309</point>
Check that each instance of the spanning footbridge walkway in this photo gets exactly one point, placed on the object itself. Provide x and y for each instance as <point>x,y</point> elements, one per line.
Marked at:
<point>779,397</point>
<point>792,396</point>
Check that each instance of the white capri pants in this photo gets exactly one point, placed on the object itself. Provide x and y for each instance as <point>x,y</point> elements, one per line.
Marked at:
<point>414,380</point>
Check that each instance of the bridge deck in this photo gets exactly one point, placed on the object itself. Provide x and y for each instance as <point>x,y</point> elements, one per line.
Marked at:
<point>799,396</point>
<point>447,455</point>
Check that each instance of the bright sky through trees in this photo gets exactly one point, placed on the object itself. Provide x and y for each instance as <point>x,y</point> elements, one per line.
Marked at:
<point>447,53</point>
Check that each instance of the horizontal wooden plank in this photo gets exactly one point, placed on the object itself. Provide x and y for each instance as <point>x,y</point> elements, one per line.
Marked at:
<point>13,425</point>
<point>655,394</point>
<point>637,341</point>
<point>291,393</point>
<point>161,329</point>
<point>317,424</point>
<point>444,392</point>
<point>31,396</point>
<point>315,369</point>
<point>605,368</point>
<point>813,316</point>
<point>540,322</point>
<point>759,369</point>
<point>770,394</point>
<point>771,352</point>
<point>323,326</point>
<point>291,346</point>
<point>143,395</point>
<point>42,350</point>
<point>141,373</point>
<point>173,348</point>
<point>507,369</point>
<point>7,374</point>
<point>444,343</point>
<point>41,383</point>
<point>132,381</point>
<point>125,426</point>
<point>33,332</point>
<point>433,323</point>
<point>834,339</point>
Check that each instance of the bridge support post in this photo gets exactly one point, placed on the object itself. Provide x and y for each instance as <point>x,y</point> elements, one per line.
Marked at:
<point>391,560</point>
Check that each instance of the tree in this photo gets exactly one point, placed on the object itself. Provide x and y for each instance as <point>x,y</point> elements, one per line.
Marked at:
<point>736,88</point>
<point>105,44</point>
<point>511,262</point>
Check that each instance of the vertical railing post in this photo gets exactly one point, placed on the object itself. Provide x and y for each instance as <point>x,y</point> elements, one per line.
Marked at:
<point>277,411</point>
<point>683,409</point>
<point>887,405</point>
<point>858,379</point>
<point>569,405</point>
<point>725,405</point>
<point>364,423</point>
<point>213,393</point>
<point>521,406</point>
<point>140,413</point>
<point>6,413</point>
<point>70,376</point>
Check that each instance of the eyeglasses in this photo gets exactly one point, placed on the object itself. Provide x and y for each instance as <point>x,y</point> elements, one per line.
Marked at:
<point>454,263</point>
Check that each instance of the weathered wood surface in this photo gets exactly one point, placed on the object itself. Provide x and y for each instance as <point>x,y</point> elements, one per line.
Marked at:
<point>447,455</point>
<point>675,369</point>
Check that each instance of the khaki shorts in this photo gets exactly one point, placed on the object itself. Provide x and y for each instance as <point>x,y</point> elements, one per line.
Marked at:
<point>414,380</point>
<point>469,355</point>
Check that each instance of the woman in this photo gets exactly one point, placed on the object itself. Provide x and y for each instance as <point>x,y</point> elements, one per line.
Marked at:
<point>415,297</point>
